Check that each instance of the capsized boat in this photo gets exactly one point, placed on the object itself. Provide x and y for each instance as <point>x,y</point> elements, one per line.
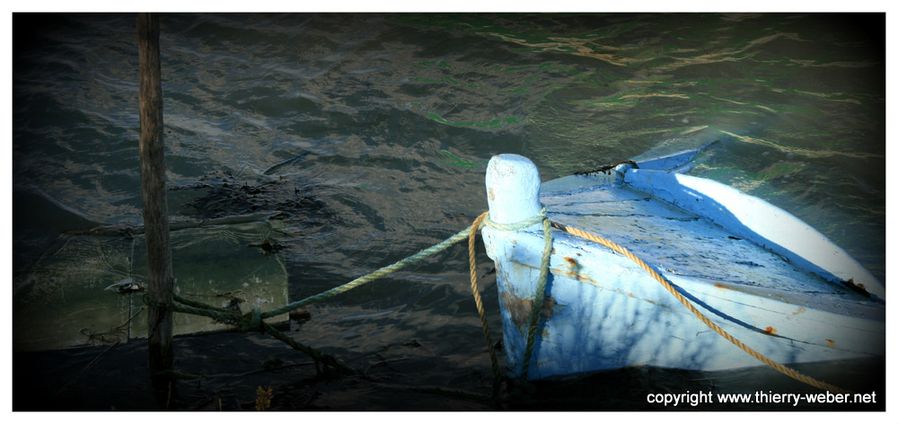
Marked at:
<point>757,271</point>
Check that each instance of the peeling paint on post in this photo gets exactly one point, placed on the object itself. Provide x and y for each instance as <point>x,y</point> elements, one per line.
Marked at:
<point>512,186</point>
<point>160,280</point>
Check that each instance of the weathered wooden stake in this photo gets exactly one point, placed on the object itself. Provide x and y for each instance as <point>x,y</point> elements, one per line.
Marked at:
<point>160,280</point>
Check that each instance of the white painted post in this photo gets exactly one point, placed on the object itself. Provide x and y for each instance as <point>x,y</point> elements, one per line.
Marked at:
<point>512,189</point>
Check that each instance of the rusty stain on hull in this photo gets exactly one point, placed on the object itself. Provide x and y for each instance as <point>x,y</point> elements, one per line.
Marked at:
<point>576,276</point>
<point>574,265</point>
<point>519,308</point>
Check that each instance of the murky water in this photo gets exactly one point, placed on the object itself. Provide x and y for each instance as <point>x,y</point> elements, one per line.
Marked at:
<point>372,132</point>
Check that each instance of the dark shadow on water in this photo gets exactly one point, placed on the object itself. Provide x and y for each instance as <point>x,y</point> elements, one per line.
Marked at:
<point>223,193</point>
<point>221,371</point>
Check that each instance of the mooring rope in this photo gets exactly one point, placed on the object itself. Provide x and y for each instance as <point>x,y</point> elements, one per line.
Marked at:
<point>484,220</point>
<point>539,297</point>
<point>376,275</point>
<point>255,319</point>
<point>790,372</point>
<point>478,302</point>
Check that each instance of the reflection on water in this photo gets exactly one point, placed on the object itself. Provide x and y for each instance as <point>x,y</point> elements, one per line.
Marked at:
<point>384,124</point>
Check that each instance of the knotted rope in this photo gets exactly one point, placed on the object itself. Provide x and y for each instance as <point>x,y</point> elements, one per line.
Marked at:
<point>541,281</point>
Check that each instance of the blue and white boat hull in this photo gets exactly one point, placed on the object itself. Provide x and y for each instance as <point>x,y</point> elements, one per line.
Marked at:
<point>760,273</point>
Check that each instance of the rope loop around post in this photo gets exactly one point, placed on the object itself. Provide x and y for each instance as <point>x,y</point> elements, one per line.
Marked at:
<point>539,298</point>
<point>516,226</point>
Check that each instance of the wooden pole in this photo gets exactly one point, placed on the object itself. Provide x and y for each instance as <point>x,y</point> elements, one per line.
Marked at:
<point>160,280</point>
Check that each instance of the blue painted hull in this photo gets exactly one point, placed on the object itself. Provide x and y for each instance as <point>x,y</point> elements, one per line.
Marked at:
<point>761,274</point>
